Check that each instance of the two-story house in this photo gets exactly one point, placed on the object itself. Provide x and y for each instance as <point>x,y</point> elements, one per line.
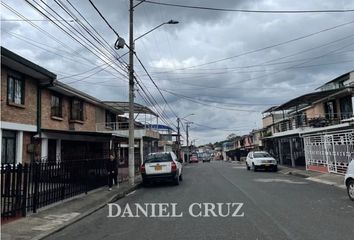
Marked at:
<point>43,119</point>
<point>21,81</point>
<point>68,124</point>
<point>314,129</point>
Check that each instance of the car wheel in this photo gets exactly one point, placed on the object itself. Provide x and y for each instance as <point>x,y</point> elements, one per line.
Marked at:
<point>248,167</point>
<point>180,177</point>
<point>146,183</point>
<point>254,168</point>
<point>275,169</point>
<point>176,181</point>
<point>350,189</point>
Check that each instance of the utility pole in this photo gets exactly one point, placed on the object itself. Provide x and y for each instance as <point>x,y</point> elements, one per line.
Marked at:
<point>178,140</point>
<point>131,161</point>
<point>187,133</point>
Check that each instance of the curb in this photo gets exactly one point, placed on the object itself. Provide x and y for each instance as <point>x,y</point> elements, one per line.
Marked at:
<point>310,178</point>
<point>87,213</point>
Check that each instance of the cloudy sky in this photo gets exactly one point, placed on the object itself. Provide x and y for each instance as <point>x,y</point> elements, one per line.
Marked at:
<point>223,67</point>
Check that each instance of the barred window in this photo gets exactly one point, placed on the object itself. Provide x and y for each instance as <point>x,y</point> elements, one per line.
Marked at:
<point>56,106</point>
<point>77,110</point>
<point>15,90</point>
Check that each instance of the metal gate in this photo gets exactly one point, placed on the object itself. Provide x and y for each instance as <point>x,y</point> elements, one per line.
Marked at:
<point>329,151</point>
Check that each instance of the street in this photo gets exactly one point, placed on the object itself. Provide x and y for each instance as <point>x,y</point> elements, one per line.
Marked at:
<point>275,207</point>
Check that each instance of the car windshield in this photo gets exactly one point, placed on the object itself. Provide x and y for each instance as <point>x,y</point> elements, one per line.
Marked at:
<point>261,155</point>
<point>160,157</point>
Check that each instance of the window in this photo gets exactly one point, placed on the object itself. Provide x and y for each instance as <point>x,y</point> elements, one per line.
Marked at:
<point>15,90</point>
<point>56,106</point>
<point>110,117</point>
<point>8,148</point>
<point>261,155</point>
<point>77,110</point>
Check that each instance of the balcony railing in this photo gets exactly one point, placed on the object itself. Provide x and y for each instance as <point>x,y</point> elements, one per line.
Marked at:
<point>321,120</point>
<point>141,130</point>
<point>111,126</point>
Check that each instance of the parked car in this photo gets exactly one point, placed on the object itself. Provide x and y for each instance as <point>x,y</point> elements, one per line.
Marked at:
<point>194,158</point>
<point>349,179</point>
<point>204,157</point>
<point>161,166</point>
<point>261,159</point>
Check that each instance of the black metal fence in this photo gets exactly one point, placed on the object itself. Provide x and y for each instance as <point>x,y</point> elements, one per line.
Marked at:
<point>27,187</point>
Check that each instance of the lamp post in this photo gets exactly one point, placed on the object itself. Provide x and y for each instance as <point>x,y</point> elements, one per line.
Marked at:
<point>179,133</point>
<point>169,22</point>
<point>131,161</point>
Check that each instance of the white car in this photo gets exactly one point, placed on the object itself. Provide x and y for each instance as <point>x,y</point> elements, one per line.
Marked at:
<point>161,166</point>
<point>260,159</point>
<point>349,179</point>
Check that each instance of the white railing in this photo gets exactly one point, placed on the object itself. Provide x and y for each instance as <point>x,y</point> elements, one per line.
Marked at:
<point>111,126</point>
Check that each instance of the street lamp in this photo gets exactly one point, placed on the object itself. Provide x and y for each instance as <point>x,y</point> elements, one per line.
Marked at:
<point>169,22</point>
<point>131,161</point>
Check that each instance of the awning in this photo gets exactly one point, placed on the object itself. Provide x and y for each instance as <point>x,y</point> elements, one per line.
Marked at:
<point>306,99</point>
<point>74,135</point>
<point>124,107</point>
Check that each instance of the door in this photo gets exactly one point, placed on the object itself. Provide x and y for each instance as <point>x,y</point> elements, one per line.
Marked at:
<point>52,151</point>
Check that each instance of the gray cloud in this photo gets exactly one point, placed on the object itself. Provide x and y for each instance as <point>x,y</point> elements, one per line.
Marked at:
<point>201,36</point>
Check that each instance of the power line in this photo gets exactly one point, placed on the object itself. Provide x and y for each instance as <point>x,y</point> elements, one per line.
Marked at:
<point>163,97</point>
<point>208,105</point>
<point>270,46</point>
<point>108,24</point>
<point>33,20</point>
<point>249,11</point>
<point>153,102</point>
<point>104,19</point>
<point>75,36</point>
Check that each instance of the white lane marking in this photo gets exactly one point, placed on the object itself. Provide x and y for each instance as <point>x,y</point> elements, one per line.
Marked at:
<point>240,167</point>
<point>269,180</point>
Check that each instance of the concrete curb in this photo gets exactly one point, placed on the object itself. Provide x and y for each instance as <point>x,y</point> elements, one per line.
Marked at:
<point>87,213</point>
<point>310,178</point>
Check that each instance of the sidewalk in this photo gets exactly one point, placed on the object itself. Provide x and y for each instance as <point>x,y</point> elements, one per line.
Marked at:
<point>325,178</point>
<point>59,215</point>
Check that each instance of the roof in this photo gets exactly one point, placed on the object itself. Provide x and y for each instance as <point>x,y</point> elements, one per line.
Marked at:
<point>270,109</point>
<point>65,89</point>
<point>20,64</point>
<point>343,77</point>
<point>306,99</point>
<point>124,107</point>
<point>159,127</point>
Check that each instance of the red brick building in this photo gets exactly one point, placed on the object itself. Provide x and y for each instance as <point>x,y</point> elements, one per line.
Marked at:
<point>43,119</point>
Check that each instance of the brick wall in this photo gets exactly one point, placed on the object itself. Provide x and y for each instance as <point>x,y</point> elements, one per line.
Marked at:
<point>64,123</point>
<point>25,114</point>
<point>315,111</point>
<point>47,121</point>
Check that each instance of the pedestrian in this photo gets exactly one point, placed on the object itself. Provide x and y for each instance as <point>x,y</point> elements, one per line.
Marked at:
<point>112,169</point>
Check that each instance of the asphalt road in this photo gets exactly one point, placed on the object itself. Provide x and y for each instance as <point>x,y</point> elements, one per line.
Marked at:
<point>276,206</point>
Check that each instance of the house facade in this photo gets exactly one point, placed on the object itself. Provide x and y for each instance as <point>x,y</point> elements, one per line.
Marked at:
<point>21,81</point>
<point>314,130</point>
<point>68,125</point>
<point>45,120</point>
